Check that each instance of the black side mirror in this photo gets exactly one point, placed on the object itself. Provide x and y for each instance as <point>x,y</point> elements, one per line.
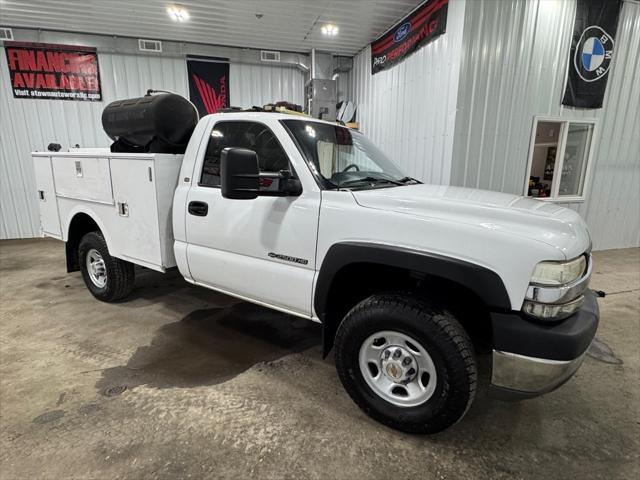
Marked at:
<point>239,173</point>
<point>289,185</point>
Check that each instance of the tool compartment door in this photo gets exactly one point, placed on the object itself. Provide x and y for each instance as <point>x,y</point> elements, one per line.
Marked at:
<point>83,178</point>
<point>135,229</point>
<point>49,216</point>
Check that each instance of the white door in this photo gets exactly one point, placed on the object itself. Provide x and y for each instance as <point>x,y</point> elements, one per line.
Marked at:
<point>49,217</point>
<point>135,217</point>
<point>261,249</point>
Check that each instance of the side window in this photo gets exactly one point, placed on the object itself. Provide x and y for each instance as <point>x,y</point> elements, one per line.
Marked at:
<point>252,135</point>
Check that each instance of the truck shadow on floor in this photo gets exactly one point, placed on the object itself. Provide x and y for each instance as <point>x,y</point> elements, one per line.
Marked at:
<point>153,287</point>
<point>225,337</point>
<point>210,346</point>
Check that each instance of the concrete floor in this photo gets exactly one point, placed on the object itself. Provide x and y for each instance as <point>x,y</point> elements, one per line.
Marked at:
<point>180,382</point>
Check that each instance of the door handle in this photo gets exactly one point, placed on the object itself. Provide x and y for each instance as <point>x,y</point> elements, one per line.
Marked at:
<point>199,209</point>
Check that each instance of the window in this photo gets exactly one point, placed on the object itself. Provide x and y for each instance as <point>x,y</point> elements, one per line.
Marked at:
<point>344,158</point>
<point>252,135</point>
<point>559,159</point>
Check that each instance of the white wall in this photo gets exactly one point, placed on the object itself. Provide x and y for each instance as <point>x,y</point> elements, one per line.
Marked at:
<point>27,125</point>
<point>258,85</point>
<point>409,110</point>
<point>515,57</point>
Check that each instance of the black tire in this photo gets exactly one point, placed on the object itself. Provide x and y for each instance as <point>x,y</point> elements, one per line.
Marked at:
<point>120,274</point>
<point>438,332</point>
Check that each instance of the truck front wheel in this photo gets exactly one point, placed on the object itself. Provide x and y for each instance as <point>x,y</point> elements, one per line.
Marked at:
<point>406,363</point>
<point>107,278</point>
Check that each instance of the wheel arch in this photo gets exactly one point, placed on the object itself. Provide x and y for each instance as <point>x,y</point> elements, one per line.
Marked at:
<point>395,268</point>
<point>80,221</point>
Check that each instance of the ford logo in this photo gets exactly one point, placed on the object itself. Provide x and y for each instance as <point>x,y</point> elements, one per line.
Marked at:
<point>402,32</point>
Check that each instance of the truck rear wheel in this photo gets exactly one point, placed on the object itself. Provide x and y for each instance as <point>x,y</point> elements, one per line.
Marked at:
<point>406,363</point>
<point>107,278</point>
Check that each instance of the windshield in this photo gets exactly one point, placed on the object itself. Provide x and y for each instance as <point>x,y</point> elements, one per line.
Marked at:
<point>344,158</point>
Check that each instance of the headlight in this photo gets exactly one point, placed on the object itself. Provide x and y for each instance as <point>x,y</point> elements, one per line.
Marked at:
<point>559,273</point>
<point>556,288</point>
<point>550,312</point>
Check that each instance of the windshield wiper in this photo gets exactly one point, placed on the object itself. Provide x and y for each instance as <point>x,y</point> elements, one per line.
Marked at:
<point>370,180</point>
<point>409,179</point>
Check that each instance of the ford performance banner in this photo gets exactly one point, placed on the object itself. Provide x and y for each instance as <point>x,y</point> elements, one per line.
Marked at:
<point>592,50</point>
<point>53,72</point>
<point>418,28</point>
<point>208,84</point>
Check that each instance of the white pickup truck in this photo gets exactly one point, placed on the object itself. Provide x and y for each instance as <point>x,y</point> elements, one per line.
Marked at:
<point>309,218</point>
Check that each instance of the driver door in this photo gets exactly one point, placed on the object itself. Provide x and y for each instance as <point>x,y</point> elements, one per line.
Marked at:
<point>261,249</point>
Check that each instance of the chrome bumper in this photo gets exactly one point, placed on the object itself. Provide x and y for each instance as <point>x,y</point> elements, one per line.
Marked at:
<point>519,376</point>
<point>548,353</point>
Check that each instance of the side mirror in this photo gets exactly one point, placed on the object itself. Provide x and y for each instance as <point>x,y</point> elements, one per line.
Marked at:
<point>289,185</point>
<point>239,173</point>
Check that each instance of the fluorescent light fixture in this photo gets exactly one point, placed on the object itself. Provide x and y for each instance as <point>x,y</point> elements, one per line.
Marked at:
<point>178,13</point>
<point>329,29</point>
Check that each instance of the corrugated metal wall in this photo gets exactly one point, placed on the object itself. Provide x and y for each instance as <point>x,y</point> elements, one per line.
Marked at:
<point>344,86</point>
<point>612,209</point>
<point>27,125</point>
<point>514,63</point>
<point>409,111</point>
<point>251,85</point>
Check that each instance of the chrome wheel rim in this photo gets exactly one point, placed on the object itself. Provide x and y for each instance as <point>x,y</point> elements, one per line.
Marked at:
<point>96,268</point>
<point>397,368</point>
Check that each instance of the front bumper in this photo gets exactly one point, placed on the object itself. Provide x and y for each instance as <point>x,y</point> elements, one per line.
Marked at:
<point>531,358</point>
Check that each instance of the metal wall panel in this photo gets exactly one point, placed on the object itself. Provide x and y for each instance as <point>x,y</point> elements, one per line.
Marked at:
<point>344,86</point>
<point>251,85</point>
<point>27,125</point>
<point>514,63</point>
<point>409,110</point>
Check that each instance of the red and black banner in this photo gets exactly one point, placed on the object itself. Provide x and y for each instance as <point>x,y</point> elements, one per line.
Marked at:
<point>53,72</point>
<point>592,49</point>
<point>208,84</point>
<point>418,28</point>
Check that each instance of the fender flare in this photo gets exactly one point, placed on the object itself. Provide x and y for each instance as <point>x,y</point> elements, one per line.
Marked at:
<point>84,210</point>
<point>483,282</point>
<point>91,214</point>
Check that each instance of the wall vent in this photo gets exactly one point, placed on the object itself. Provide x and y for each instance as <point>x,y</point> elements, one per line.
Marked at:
<point>269,56</point>
<point>149,45</point>
<point>6,33</point>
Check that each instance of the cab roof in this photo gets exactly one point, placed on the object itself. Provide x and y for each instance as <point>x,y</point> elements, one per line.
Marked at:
<point>246,114</point>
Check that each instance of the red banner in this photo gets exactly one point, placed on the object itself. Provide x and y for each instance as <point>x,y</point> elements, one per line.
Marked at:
<point>53,72</point>
<point>208,83</point>
<point>418,28</point>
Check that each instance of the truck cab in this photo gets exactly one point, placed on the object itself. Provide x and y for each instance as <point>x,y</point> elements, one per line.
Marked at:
<point>247,247</point>
<point>410,281</point>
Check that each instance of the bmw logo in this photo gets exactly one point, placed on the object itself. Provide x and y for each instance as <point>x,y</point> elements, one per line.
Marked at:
<point>593,54</point>
<point>402,32</point>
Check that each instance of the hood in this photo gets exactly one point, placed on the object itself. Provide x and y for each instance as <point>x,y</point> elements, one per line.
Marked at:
<point>559,227</point>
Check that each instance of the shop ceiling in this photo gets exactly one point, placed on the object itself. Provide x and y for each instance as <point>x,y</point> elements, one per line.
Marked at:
<point>291,25</point>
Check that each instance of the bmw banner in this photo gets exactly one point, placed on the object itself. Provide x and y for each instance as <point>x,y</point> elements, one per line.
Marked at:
<point>592,50</point>
<point>418,28</point>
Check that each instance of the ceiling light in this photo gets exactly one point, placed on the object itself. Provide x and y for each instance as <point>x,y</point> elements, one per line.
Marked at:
<point>178,13</point>
<point>329,29</point>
